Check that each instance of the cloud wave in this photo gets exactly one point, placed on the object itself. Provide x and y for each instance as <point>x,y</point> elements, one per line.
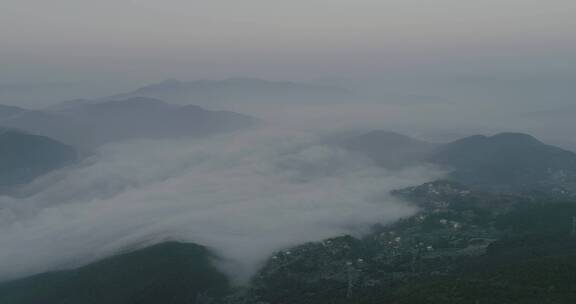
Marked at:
<point>244,196</point>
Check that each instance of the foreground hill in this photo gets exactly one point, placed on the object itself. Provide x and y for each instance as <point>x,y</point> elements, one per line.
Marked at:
<point>23,157</point>
<point>90,124</point>
<point>170,273</point>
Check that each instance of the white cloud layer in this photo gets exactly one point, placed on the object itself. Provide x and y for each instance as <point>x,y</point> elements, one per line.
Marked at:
<point>244,196</point>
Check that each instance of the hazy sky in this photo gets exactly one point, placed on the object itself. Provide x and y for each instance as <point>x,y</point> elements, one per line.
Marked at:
<point>136,41</point>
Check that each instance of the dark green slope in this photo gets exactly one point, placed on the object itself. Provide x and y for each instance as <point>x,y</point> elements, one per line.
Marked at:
<point>169,273</point>
<point>24,157</point>
<point>509,162</point>
<point>524,278</point>
<point>463,246</point>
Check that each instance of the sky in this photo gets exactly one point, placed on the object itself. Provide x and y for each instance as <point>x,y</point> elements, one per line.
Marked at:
<point>498,60</point>
<point>127,42</point>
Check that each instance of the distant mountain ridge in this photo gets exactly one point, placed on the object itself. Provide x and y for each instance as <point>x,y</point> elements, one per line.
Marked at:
<point>9,111</point>
<point>389,149</point>
<point>92,123</point>
<point>505,162</point>
<point>220,92</point>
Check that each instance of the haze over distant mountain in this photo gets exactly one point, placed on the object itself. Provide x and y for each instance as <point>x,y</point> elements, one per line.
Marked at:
<point>8,111</point>
<point>23,157</point>
<point>91,123</point>
<point>509,162</point>
<point>66,129</point>
<point>40,94</point>
<point>389,149</point>
<point>506,162</point>
<point>221,92</point>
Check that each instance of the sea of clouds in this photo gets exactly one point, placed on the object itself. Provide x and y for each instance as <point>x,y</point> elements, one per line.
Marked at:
<point>243,195</point>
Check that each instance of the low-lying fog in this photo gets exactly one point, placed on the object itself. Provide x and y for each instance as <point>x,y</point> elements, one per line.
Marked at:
<point>244,195</point>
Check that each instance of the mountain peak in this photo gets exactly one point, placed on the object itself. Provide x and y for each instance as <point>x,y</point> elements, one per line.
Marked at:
<point>508,162</point>
<point>518,138</point>
<point>136,101</point>
<point>221,92</point>
<point>505,138</point>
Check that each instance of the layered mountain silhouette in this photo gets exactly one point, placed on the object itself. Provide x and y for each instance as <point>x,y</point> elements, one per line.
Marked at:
<point>506,162</point>
<point>459,224</point>
<point>233,90</point>
<point>92,123</point>
<point>23,157</point>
